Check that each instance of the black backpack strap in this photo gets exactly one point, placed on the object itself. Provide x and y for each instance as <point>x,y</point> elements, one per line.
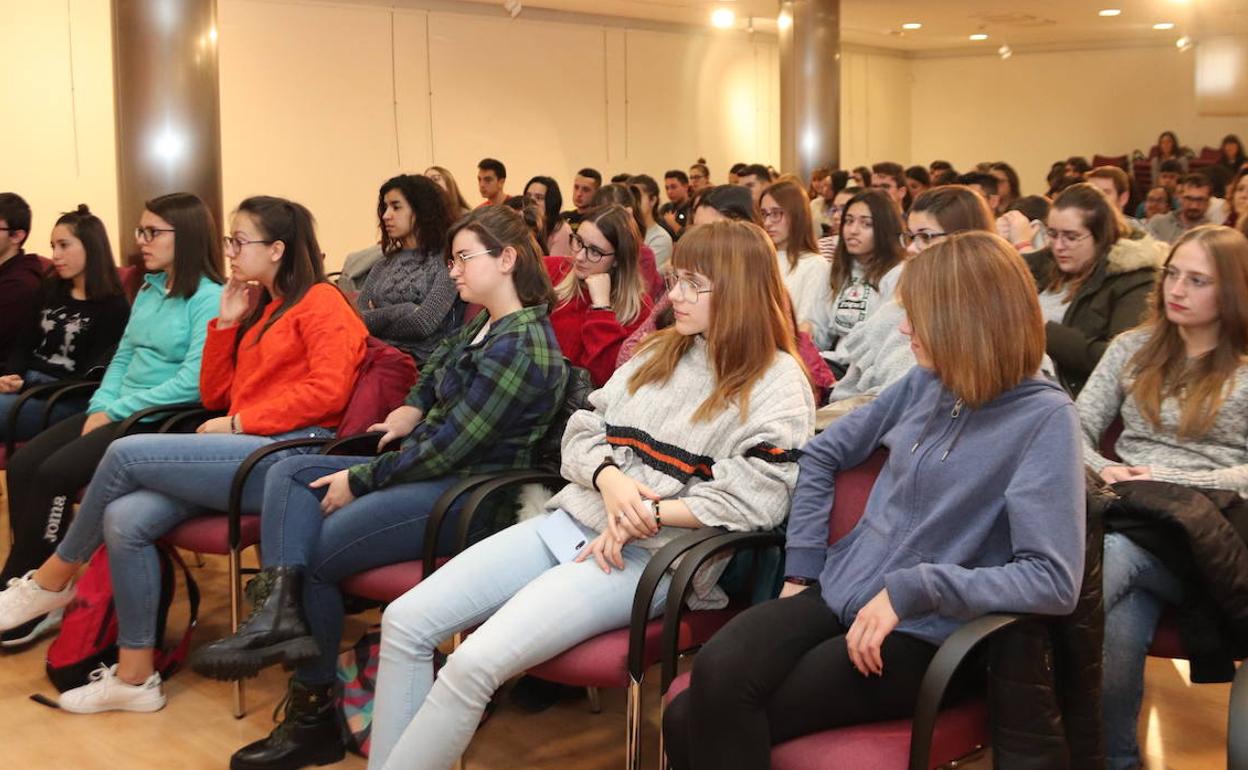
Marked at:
<point>168,661</point>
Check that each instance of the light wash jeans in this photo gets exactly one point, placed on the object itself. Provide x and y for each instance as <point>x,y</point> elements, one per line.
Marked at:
<point>533,608</point>
<point>1137,587</point>
<point>144,487</point>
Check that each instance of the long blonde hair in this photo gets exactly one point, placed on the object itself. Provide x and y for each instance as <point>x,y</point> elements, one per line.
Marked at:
<point>750,317</point>
<point>627,288</point>
<point>1161,367</point>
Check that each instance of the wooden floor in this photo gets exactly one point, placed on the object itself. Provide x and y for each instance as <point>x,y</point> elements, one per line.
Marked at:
<point>1184,725</point>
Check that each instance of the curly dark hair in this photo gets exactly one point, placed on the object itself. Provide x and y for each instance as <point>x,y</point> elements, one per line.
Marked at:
<point>431,218</point>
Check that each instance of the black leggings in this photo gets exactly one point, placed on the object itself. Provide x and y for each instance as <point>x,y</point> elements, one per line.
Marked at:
<point>44,478</point>
<point>778,671</point>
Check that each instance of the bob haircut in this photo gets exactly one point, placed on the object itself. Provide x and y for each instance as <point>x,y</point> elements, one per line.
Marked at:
<point>1161,366</point>
<point>750,317</point>
<point>498,228</point>
<point>973,306</point>
<point>956,207</point>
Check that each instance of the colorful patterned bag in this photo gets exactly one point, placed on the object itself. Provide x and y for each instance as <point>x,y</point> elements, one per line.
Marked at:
<point>357,673</point>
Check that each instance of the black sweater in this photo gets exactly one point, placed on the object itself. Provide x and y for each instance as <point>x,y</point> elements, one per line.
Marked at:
<point>69,337</point>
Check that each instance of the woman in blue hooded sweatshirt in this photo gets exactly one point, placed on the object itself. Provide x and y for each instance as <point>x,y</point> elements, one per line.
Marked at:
<point>979,508</point>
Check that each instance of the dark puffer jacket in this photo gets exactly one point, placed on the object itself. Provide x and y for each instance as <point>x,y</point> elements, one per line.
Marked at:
<point>1045,675</point>
<point>1112,300</point>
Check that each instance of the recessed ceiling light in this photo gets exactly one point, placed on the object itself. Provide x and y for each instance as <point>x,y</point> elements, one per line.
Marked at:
<point>1108,12</point>
<point>723,18</point>
<point>1164,25</point>
<point>912,25</point>
<point>978,36</point>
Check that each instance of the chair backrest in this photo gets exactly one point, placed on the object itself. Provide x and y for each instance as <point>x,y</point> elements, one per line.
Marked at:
<point>1110,160</point>
<point>131,278</point>
<point>575,396</point>
<point>471,310</point>
<point>1109,438</point>
<point>853,487</point>
<point>386,376</point>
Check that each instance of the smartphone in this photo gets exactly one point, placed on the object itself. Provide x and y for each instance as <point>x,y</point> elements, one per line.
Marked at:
<point>562,536</point>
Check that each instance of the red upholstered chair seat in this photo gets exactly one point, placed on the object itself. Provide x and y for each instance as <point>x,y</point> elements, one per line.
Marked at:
<point>387,583</point>
<point>1166,643</point>
<point>211,534</point>
<point>878,745</point>
<point>603,660</point>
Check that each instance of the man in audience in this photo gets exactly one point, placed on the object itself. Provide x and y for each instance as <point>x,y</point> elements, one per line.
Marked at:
<point>584,185</point>
<point>734,173</point>
<point>1168,176</point>
<point>891,178</point>
<point>491,177</point>
<point>1194,194</point>
<point>944,176</point>
<point>937,166</point>
<point>676,211</point>
<point>986,185</point>
<point>1077,166</point>
<point>1115,185</point>
<point>756,177</point>
<point>21,274</point>
<point>621,178</point>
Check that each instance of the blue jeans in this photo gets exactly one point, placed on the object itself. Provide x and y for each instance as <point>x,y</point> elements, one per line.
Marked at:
<point>1137,587</point>
<point>144,487</point>
<point>383,527</point>
<point>533,609</point>
<point>30,420</point>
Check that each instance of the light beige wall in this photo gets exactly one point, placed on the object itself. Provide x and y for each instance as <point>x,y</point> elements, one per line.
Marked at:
<point>56,129</point>
<point>1033,109</point>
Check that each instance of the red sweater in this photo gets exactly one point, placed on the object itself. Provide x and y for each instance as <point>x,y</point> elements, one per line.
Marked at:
<point>589,338</point>
<point>300,374</point>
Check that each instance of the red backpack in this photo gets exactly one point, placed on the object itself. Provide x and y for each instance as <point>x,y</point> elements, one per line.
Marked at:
<point>88,636</point>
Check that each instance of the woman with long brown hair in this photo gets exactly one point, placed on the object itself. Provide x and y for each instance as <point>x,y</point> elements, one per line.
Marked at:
<point>697,430</point>
<point>785,211</point>
<point>600,295</point>
<point>455,202</point>
<point>1179,383</point>
<point>991,450</point>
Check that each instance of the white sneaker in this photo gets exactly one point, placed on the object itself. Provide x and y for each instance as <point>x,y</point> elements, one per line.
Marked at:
<point>105,692</point>
<point>24,600</point>
<point>46,624</point>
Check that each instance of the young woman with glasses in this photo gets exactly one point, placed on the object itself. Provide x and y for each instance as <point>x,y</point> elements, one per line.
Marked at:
<point>408,299</point>
<point>82,317</point>
<point>599,291</point>
<point>280,367</point>
<point>866,267</point>
<point>1094,280</point>
<point>485,397</point>
<point>785,211</point>
<point>157,362</point>
<point>724,386</point>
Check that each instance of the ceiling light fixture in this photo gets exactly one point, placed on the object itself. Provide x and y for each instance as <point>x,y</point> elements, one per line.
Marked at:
<point>912,25</point>
<point>978,36</point>
<point>1164,25</point>
<point>1005,51</point>
<point>784,20</point>
<point>1109,12</point>
<point>723,18</point>
<point>1184,43</point>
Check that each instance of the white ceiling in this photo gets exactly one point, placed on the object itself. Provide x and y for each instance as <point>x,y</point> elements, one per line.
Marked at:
<point>947,23</point>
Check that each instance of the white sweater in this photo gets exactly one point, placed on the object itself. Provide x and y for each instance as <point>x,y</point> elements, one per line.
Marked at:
<point>810,289</point>
<point>734,473</point>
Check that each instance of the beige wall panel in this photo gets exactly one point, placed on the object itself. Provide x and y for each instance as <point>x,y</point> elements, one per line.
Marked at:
<point>875,109</point>
<point>528,93</point>
<point>1036,108</point>
<point>307,112</point>
<point>694,95</point>
<point>411,91</point>
<point>58,132</point>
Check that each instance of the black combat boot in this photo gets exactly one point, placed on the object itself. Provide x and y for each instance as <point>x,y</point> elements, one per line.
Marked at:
<point>308,733</point>
<point>275,632</point>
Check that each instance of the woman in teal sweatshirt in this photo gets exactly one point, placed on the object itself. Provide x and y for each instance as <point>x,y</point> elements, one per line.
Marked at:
<point>156,363</point>
<point>979,508</point>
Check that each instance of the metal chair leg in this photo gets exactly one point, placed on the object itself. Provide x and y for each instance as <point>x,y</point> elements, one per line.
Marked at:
<point>632,727</point>
<point>595,702</point>
<point>236,601</point>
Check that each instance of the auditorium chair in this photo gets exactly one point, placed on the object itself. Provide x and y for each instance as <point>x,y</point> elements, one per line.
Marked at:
<point>1120,161</point>
<point>934,736</point>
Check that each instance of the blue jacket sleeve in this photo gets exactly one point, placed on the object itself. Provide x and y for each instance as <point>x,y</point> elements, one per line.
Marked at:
<point>846,443</point>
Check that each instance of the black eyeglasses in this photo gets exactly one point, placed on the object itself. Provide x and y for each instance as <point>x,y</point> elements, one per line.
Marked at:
<point>148,234</point>
<point>923,239</point>
<point>237,244</point>
<point>592,253</point>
